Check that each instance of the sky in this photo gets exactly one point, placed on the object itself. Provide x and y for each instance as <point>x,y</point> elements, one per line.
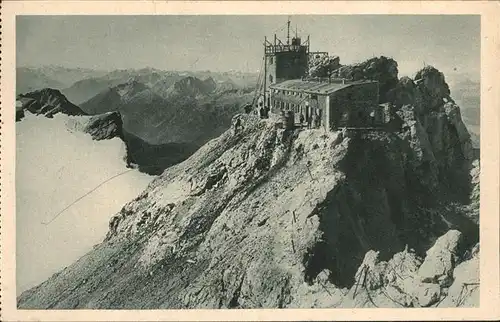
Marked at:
<point>451,43</point>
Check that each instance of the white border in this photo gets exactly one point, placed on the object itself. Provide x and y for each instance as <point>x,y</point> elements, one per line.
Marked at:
<point>490,102</point>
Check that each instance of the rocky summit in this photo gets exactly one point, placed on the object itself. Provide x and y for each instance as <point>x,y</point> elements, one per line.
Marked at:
<point>46,102</point>
<point>269,217</point>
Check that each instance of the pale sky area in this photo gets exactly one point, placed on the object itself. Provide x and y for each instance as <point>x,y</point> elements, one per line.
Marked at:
<point>222,43</point>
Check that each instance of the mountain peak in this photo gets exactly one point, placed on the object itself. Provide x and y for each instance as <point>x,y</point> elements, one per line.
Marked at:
<point>267,215</point>
<point>191,86</point>
<point>311,201</point>
<point>47,101</point>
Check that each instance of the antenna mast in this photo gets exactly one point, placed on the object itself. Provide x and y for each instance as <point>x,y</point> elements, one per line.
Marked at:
<point>288,32</point>
<point>265,72</point>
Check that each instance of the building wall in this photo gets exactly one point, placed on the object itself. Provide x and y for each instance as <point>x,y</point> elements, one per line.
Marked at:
<point>270,70</point>
<point>291,65</point>
<point>286,65</point>
<point>354,106</point>
<point>287,101</point>
<point>300,103</point>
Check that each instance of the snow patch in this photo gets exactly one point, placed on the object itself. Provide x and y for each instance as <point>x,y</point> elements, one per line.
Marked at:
<point>55,165</point>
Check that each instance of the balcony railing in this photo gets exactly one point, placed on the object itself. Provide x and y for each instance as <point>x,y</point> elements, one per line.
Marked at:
<point>331,80</point>
<point>286,48</point>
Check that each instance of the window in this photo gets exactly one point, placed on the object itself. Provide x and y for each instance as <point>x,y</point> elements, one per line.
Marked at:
<point>271,78</point>
<point>271,60</point>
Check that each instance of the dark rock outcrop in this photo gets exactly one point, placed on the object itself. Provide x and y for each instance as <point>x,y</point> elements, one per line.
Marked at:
<point>105,126</point>
<point>155,158</point>
<point>382,69</point>
<point>47,102</point>
<point>323,66</point>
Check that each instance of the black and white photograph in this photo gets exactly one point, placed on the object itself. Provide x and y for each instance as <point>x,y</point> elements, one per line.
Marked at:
<point>257,161</point>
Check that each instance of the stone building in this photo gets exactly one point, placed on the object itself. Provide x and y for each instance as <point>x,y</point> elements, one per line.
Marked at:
<point>285,60</point>
<point>336,103</point>
<point>287,86</point>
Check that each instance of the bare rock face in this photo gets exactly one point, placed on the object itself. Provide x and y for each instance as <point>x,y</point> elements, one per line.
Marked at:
<point>46,102</point>
<point>407,280</point>
<point>431,83</point>
<point>260,217</point>
<point>452,112</point>
<point>440,260</point>
<point>105,126</point>
<point>473,207</point>
<point>382,69</point>
<point>431,121</point>
<point>323,66</point>
<point>464,291</point>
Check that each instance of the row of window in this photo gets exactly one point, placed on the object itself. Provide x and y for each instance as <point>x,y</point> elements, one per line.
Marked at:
<point>297,108</point>
<point>293,93</point>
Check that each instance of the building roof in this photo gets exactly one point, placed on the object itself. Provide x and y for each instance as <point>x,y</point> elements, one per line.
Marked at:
<point>314,87</point>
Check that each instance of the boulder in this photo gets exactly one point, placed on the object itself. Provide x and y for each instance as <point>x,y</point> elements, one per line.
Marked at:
<point>371,271</point>
<point>428,294</point>
<point>441,259</point>
<point>464,292</point>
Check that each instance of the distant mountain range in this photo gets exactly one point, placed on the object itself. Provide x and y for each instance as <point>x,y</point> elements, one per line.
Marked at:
<point>81,84</point>
<point>190,110</point>
<point>29,79</point>
<point>166,116</point>
<point>174,107</point>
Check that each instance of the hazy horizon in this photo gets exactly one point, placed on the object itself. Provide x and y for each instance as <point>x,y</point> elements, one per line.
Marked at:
<point>225,43</point>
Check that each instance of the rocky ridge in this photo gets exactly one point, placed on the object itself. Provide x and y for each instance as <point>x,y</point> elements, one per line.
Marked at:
<point>46,102</point>
<point>267,217</point>
<point>149,158</point>
<point>187,111</point>
<point>101,127</point>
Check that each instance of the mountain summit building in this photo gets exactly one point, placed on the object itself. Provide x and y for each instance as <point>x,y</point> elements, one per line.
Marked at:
<point>332,102</point>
